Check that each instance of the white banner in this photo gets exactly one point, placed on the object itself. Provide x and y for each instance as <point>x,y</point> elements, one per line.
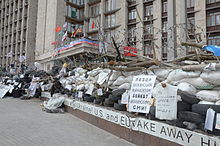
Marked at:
<point>158,129</point>
<point>166,102</point>
<point>140,94</point>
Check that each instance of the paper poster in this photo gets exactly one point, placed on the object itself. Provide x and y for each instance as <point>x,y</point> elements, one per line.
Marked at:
<point>90,90</point>
<point>140,94</point>
<point>125,97</point>
<point>80,94</point>
<point>100,92</point>
<point>217,125</point>
<point>166,102</point>
<point>209,120</point>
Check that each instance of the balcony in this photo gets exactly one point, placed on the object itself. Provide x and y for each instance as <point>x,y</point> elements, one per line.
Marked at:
<point>213,28</point>
<point>131,3</point>
<point>148,18</point>
<point>132,21</point>
<point>74,5</point>
<point>148,37</point>
<point>93,2</point>
<point>213,5</point>
<point>75,20</point>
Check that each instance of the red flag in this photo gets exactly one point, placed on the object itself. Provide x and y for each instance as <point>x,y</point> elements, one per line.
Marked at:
<point>93,24</point>
<point>127,51</point>
<point>58,29</point>
<point>54,43</point>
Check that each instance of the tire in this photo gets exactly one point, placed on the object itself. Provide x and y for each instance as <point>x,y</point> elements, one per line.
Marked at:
<point>119,107</point>
<point>152,111</point>
<point>191,117</point>
<point>188,98</point>
<point>108,101</point>
<point>202,108</point>
<point>183,106</point>
<point>114,98</point>
<point>118,92</point>
<point>88,98</point>
<point>16,93</point>
<point>97,101</point>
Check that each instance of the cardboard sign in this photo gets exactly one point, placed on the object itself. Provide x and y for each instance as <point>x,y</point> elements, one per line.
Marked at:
<point>140,94</point>
<point>166,102</point>
<point>3,90</point>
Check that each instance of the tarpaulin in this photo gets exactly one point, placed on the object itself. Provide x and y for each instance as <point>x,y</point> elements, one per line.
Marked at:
<point>214,49</point>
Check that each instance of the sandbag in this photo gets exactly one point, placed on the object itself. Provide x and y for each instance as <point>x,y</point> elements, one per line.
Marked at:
<point>161,74</point>
<point>179,74</point>
<point>129,79</point>
<point>120,80</point>
<point>212,77</point>
<point>198,83</point>
<point>206,102</point>
<point>125,86</point>
<point>115,75</point>
<point>208,95</point>
<point>187,88</point>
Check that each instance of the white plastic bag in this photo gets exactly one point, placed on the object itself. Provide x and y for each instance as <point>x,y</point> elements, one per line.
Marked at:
<point>212,77</point>
<point>208,95</point>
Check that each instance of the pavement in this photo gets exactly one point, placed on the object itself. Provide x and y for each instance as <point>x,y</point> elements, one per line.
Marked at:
<point>23,123</point>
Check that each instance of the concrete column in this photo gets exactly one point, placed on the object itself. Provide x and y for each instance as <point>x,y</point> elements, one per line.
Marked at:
<point>171,39</point>
<point>157,25</point>
<point>181,20</point>
<point>86,23</point>
<point>122,20</point>
<point>140,27</point>
<point>200,20</point>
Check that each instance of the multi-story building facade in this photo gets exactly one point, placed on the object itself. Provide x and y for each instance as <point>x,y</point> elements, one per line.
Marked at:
<point>148,25</point>
<point>17,31</point>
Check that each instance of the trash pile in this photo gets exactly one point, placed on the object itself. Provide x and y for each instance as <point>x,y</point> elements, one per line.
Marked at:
<point>193,89</point>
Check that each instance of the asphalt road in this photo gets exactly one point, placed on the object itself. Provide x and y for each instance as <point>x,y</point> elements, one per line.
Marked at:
<point>23,123</point>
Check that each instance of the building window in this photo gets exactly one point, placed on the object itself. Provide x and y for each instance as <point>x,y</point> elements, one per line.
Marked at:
<point>191,24</point>
<point>148,12</point>
<point>212,1</point>
<point>94,10</point>
<point>213,19</point>
<point>110,5</point>
<point>148,48</point>
<point>132,14</point>
<point>132,33</point>
<point>110,20</point>
<point>149,28</point>
<point>214,40</point>
<point>190,3</point>
<point>164,26</point>
<point>164,7</point>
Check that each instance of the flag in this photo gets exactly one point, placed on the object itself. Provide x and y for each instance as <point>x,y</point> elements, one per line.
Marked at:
<point>93,24</point>
<point>214,49</point>
<point>58,29</point>
<point>129,50</point>
<point>64,36</point>
<point>77,31</point>
<point>54,43</point>
<point>9,54</point>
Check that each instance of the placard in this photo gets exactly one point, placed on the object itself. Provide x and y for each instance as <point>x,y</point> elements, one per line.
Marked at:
<point>217,125</point>
<point>166,102</point>
<point>125,97</point>
<point>3,90</point>
<point>100,92</point>
<point>80,94</point>
<point>140,94</point>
